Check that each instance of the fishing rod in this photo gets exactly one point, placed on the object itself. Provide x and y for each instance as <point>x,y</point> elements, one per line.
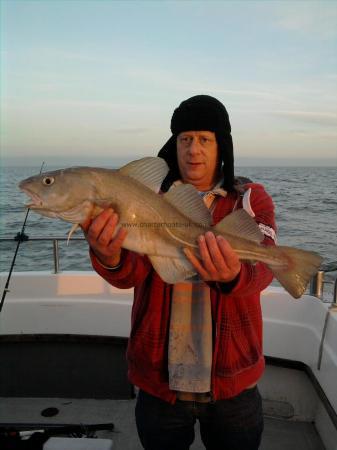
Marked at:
<point>19,237</point>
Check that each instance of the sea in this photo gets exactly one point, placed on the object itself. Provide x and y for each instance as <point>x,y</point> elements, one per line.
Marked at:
<point>305,201</point>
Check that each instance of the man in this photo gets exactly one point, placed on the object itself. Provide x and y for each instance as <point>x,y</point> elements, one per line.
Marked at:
<point>195,349</point>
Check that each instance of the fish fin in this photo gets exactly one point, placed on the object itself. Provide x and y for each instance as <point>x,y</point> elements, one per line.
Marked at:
<point>72,231</point>
<point>187,200</point>
<point>149,171</point>
<point>172,270</point>
<point>295,276</point>
<point>240,223</point>
<point>99,206</point>
<point>78,213</point>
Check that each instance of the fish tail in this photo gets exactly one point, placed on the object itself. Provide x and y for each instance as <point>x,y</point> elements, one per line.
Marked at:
<point>296,270</point>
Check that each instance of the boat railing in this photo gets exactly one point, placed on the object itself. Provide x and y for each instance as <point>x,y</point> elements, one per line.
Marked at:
<point>316,284</point>
<point>318,281</point>
<point>54,239</point>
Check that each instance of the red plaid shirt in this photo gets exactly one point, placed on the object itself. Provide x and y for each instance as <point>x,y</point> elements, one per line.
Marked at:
<point>238,360</point>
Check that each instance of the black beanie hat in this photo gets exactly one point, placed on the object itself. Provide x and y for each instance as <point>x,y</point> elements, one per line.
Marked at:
<point>200,113</point>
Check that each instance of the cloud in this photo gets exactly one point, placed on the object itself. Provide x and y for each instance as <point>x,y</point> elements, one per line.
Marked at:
<point>171,82</point>
<point>133,131</point>
<point>321,118</point>
<point>82,105</point>
<point>320,18</point>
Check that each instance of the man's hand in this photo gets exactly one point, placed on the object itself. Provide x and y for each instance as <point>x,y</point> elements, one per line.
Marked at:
<point>219,262</point>
<point>100,235</point>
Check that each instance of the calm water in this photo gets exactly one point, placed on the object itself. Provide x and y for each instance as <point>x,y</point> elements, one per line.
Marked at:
<point>304,197</point>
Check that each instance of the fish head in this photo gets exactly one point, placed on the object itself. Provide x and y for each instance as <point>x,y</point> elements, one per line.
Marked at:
<point>66,193</point>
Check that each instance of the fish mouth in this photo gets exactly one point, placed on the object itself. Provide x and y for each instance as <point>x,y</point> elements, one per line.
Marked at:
<point>36,203</point>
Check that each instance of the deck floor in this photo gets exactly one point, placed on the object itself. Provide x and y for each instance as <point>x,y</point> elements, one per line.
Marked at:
<point>278,434</point>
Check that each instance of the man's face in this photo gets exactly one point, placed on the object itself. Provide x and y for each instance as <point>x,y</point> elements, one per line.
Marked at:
<point>197,154</point>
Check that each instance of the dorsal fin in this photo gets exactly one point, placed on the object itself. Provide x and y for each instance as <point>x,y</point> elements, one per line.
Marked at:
<point>149,171</point>
<point>239,223</point>
<point>186,198</point>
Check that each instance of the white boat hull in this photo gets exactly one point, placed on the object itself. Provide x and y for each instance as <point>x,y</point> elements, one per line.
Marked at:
<point>81,305</point>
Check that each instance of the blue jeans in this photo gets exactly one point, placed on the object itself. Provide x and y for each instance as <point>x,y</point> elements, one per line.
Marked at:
<point>232,424</point>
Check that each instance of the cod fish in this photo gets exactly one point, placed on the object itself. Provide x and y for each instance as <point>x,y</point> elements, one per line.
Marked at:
<point>161,226</point>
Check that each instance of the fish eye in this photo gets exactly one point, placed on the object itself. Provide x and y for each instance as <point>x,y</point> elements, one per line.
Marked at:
<point>48,181</point>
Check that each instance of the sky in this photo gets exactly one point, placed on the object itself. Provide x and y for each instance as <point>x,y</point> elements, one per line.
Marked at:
<point>97,81</point>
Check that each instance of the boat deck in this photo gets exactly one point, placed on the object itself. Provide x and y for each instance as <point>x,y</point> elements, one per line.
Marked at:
<point>278,434</point>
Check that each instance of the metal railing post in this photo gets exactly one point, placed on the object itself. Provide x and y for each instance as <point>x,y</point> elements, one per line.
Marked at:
<point>332,309</point>
<point>56,256</point>
<point>316,284</point>
<point>334,302</point>
<point>54,239</point>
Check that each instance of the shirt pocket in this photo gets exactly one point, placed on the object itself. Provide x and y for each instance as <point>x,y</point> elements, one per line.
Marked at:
<point>240,347</point>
